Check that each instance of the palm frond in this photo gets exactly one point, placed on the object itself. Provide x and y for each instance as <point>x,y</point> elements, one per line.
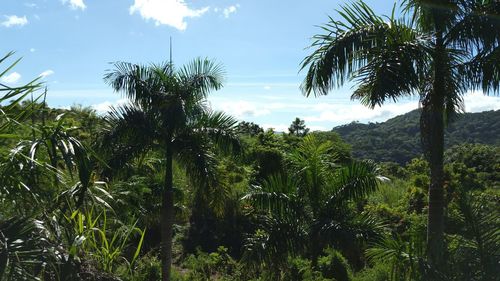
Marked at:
<point>482,227</point>
<point>129,131</point>
<point>355,181</point>
<point>313,162</point>
<point>473,29</point>
<point>23,248</point>
<point>347,232</point>
<point>272,244</point>
<point>385,59</point>
<point>482,72</point>
<point>277,196</point>
<point>220,128</point>
<point>394,66</point>
<point>139,83</point>
<point>201,76</point>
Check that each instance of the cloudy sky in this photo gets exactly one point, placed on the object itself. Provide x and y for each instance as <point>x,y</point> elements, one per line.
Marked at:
<point>261,43</point>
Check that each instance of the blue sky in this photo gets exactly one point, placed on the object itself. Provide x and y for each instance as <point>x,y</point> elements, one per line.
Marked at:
<point>260,43</point>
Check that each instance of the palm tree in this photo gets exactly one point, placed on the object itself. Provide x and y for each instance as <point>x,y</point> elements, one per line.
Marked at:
<point>438,50</point>
<point>298,128</point>
<point>306,210</point>
<point>168,113</point>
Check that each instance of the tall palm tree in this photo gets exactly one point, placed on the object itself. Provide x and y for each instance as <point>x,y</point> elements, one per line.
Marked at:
<point>439,50</point>
<point>168,113</point>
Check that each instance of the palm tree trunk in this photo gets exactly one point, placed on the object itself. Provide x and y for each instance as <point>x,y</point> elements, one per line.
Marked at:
<point>435,151</point>
<point>435,225</point>
<point>167,219</point>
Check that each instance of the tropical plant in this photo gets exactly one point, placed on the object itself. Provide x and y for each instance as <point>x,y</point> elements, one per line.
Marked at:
<point>167,112</point>
<point>476,252</point>
<point>305,210</point>
<point>106,245</point>
<point>438,50</point>
<point>23,248</point>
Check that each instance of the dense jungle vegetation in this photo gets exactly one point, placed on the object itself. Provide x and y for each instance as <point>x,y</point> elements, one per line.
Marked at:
<point>165,188</point>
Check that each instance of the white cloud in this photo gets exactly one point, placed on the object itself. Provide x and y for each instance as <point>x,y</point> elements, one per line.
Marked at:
<point>344,113</point>
<point>14,20</point>
<point>30,5</point>
<point>75,4</point>
<point>104,107</point>
<point>477,102</point>
<point>229,10</point>
<point>12,78</point>
<point>32,50</point>
<point>276,127</point>
<point>316,128</point>
<point>267,88</point>
<point>243,109</point>
<point>166,12</point>
<point>46,73</point>
<point>325,112</point>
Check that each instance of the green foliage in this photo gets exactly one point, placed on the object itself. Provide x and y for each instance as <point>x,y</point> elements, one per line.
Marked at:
<point>389,193</point>
<point>333,265</point>
<point>340,149</point>
<point>302,270</point>
<point>474,165</point>
<point>416,199</point>
<point>214,266</point>
<point>302,212</point>
<point>379,272</point>
<point>148,267</point>
<point>298,128</point>
<point>249,128</point>
<point>475,250</point>
<point>398,139</point>
<point>23,248</point>
<point>106,247</point>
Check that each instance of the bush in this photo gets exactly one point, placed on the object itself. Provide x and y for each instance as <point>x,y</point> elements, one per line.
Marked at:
<point>204,266</point>
<point>300,270</point>
<point>147,268</point>
<point>334,266</point>
<point>417,200</point>
<point>379,272</point>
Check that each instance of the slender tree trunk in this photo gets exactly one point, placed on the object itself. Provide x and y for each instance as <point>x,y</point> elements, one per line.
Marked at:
<point>435,151</point>
<point>435,226</point>
<point>167,219</point>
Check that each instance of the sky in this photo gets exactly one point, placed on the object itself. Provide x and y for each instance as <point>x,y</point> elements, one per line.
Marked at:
<point>260,43</point>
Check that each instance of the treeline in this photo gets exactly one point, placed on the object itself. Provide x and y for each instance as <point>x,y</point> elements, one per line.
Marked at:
<point>398,139</point>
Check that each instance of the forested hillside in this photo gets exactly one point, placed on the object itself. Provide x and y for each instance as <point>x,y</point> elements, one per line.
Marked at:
<point>398,139</point>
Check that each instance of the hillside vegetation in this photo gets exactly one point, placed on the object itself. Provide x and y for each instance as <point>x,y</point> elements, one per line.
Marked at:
<point>398,139</point>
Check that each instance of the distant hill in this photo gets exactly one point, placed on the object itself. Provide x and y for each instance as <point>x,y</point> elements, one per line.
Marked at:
<point>398,139</point>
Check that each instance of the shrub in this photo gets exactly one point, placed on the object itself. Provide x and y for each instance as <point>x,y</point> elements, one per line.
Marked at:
<point>147,268</point>
<point>334,265</point>
<point>379,272</point>
<point>204,266</point>
<point>301,270</point>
